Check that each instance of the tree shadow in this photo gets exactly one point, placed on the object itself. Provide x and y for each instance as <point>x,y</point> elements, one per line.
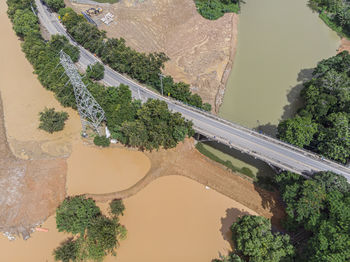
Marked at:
<point>268,129</point>
<point>293,96</point>
<point>232,214</point>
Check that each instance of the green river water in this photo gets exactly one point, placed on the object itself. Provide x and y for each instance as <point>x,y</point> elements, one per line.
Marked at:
<point>278,42</point>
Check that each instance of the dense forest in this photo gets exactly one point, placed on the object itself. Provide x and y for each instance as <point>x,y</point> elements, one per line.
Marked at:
<point>335,13</point>
<point>322,124</point>
<point>146,126</point>
<point>317,224</point>
<point>214,9</point>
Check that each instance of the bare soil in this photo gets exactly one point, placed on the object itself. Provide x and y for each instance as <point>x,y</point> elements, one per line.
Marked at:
<point>201,51</point>
<point>30,189</point>
<point>344,45</point>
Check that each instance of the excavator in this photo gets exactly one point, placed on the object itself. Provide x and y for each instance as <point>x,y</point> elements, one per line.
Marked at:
<point>94,11</point>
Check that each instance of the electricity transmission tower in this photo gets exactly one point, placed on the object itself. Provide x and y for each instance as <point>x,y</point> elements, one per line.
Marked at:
<point>91,113</point>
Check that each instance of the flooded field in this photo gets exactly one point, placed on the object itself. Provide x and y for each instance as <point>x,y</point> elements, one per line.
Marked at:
<point>173,219</point>
<point>122,168</point>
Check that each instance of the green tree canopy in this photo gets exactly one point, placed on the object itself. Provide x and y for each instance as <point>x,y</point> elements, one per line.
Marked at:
<point>320,206</point>
<point>52,121</point>
<point>95,71</point>
<point>298,131</point>
<point>75,214</point>
<point>25,22</point>
<point>117,207</point>
<point>253,238</point>
<point>55,5</point>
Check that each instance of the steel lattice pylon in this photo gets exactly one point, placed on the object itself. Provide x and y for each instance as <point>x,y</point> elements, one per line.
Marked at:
<point>91,113</point>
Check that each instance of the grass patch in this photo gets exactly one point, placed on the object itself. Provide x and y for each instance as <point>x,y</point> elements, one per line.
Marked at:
<point>244,170</point>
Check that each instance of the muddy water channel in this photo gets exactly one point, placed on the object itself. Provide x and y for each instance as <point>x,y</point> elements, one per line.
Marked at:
<point>278,42</point>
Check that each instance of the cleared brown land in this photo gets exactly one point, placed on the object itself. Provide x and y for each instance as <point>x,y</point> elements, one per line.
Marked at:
<point>344,45</point>
<point>30,189</point>
<point>200,51</point>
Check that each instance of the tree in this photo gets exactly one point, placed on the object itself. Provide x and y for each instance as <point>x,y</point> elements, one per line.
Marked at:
<point>75,214</point>
<point>25,22</point>
<point>67,251</point>
<point>298,131</point>
<point>52,121</point>
<point>97,234</point>
<point>60,42</point>
<point>332,182</point>
<point>117,207</point>
<point>95,71</point>
<point>55,5</point>
<point>321,206</point>
<point>253,238</point>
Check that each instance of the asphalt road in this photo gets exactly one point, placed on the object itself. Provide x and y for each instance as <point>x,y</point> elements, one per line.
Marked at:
<point>270,150</point>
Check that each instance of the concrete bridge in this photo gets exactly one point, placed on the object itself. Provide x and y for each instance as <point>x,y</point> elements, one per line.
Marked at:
<point>267,149</point>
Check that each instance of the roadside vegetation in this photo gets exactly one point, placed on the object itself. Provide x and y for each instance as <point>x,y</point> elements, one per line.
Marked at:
<point>148,126</point>
<point>318,219</point>
<point>93,235</point>
<point>244,170</point>
<point>95,71</point>
<point>55,5</point>
<point>214,9</point>
<point>322,124</point>
<point>146,68</point>
<point>335,13</point>
<point>52,121</point>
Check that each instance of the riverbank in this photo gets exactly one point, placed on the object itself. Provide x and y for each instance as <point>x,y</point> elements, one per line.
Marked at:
<point>344,45</point>
<point>201,51</point>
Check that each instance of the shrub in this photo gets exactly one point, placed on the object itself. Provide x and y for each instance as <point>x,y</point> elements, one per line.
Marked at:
<point>117,207</point>
<point>101,141</point>
<point>52,121</point>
